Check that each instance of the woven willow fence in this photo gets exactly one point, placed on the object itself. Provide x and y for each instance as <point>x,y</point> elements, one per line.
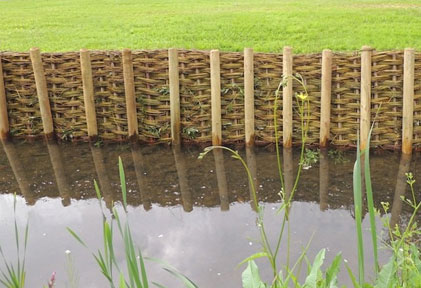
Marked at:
<point>210,96</point>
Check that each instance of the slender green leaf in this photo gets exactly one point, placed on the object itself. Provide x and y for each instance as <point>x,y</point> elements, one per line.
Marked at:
<point>186,281</point>
<point>122,281</point>
<point>169,268</point>
<point>143,270</point>
<point>353,279</point>
<point>332,272</point>
<point>253,257</point>
<point>158,285</point>
<point>122,182</point>
<point>76,236</point>
<point>370,202</point>
<point>358,212</point>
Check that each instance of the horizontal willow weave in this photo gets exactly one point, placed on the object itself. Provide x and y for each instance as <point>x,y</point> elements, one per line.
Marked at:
<point>64,82</point>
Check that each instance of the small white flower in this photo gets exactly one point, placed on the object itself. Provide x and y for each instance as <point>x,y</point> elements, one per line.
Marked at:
<point>67,252</point>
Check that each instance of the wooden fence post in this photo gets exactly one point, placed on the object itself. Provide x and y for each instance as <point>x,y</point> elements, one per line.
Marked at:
<point>365,108</point>
<point>174,79</point>
<point>216,97</point>
<point>249,96</point>
<point>408,100</point>
<point>325,97</point>
<point>287,98</point>
<point>88,93</point>
<point>42,92</point>
<point>4,120</point>
<point>129,90</point>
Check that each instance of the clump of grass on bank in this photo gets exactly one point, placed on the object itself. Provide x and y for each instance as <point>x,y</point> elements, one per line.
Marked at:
<point>267,26</point>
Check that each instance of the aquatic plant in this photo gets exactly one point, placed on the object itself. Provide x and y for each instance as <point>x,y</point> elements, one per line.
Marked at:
<point>15,274</point>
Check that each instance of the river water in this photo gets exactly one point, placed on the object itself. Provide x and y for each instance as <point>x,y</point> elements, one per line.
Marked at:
<point>194,214</point>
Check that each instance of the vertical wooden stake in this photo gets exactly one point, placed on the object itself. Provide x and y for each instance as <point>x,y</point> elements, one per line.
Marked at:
<point>249,96</point>
<point>174,79</point>
<point>130,94</point>
<point>365,108</point>
<point>216,97</point>
<point>325,97</point>
<point>287,98</point>
<point>4,120</point>
<point>408,100</point>
<point>42,92</point>
<point>88,93</point>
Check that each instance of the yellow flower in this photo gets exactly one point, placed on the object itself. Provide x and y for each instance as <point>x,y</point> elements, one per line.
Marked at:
<point>302,96</point>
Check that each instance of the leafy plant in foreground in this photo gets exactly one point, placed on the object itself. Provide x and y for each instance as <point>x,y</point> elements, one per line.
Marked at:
<point>14,275</point>
<point>251,276</point>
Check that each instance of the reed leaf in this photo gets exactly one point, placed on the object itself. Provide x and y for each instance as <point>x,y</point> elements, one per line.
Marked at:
<point>122,182</point>
<point>358,213</point>
<point>370,202</point>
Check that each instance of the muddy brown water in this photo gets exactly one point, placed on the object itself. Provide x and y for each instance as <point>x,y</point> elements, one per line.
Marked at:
<point>194,214</point>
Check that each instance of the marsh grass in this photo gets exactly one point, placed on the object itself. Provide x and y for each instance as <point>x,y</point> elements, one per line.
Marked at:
<point>14,274</point>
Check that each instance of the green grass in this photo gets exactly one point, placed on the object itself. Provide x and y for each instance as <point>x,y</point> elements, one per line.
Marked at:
<point>265,25</point>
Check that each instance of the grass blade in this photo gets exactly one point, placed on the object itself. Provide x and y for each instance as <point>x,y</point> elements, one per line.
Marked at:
<point>370,202</point>
<point>73,233</point>
<point>122,183</point>
<point>358,212</point>
<point>253,257</point>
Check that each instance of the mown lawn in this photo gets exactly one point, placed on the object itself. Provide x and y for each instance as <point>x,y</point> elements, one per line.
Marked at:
<point>265,25</point>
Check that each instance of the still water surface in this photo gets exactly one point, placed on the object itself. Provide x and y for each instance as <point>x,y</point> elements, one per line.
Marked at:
<point>194,214</point>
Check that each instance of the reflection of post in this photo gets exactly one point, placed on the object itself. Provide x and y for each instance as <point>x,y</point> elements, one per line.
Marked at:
<point>180,164</point>
<point>324,180</point>
<point>59,172</point>
<point>288,171</point>
<point>139,168</point>
<point>400,188</point>
<point>251,163</point>
<point>221,178</point>
<point>19,172</point>
<point>103,179</point>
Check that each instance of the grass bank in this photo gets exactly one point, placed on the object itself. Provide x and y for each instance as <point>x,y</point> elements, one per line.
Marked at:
<point>266,25</point>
